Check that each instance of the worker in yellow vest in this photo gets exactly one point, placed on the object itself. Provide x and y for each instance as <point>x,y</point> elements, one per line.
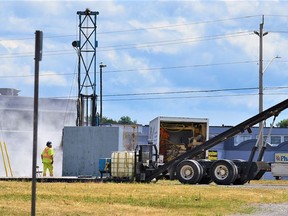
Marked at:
<point>47,159</point>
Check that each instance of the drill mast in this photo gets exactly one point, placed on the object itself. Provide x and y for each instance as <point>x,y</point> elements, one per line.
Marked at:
<point>86,49</point>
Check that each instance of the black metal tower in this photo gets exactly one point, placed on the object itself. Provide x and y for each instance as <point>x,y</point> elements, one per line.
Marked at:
<point>86,50</point>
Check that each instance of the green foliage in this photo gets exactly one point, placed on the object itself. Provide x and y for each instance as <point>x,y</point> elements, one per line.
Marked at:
<point>126,120</point>
<point>106,120</point>
<point>123,120</point>
<point>283,123</point>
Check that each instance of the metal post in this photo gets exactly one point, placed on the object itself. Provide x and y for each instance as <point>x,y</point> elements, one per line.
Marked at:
<point>94,97</point>
<point>38,58</point>
<point>261,82</point>
<point>101,66</point>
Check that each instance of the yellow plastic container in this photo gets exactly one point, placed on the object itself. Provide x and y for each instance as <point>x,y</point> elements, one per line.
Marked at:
<point>122,164</point>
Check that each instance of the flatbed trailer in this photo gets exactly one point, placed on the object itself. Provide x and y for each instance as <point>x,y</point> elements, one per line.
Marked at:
<point>203,171</point>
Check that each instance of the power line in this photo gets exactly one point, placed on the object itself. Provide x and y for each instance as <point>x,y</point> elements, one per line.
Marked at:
<point>177,25</point>
<point>184,92</point>
<point>279,31</point>
<point>192,96</point>
<point>143,29</point>
<point>136,46</point>
<point>271,15</point>
<point>139,69</point>
<point>32,75</point>
<point>181,92</point>
<point>179,97</point>
<point>275,87</point>
<point>182,66</point>
<point>160,98</point>
<point>32,38</point>
<point>137,29</point>
<point>177,41</point>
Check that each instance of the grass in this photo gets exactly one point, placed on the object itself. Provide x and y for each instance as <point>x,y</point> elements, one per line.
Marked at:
<point>162,198</point>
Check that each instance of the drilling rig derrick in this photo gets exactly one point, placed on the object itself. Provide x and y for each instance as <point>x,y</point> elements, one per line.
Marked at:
<point>86,50</point>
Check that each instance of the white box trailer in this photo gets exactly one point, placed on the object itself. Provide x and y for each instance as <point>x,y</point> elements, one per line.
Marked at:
<point>175,135</point>
<point>279,169</point>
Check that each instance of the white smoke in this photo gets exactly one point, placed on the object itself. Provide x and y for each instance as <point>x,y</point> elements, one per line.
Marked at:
<point>16,130</point>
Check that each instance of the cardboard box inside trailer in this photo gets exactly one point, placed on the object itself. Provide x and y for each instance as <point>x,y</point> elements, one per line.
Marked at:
<point>175,135</point>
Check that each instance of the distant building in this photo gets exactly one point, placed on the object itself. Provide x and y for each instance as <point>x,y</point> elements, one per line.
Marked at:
<point>9,91</point>
<point>240,146</point>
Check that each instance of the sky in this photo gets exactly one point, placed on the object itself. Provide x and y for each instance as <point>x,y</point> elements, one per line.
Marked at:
<point>197,59</point>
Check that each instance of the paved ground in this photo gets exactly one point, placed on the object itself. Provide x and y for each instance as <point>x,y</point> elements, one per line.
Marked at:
<point>268,210</point>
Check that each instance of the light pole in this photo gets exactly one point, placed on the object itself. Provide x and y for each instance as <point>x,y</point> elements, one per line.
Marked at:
<point>101,66</point>
<point>270,63</point>
<point>261,83</point>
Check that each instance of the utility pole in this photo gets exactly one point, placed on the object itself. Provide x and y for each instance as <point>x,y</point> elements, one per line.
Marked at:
<point>38,58</point>
<point>101,66</point>
<point>261,35</point>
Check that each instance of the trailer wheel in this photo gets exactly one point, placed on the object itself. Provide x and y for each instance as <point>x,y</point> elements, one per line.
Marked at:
<point>205,164</point>
<point>223,172</point>
<point>189,172</point>
<point>240,181</point>
<point>205,180</point>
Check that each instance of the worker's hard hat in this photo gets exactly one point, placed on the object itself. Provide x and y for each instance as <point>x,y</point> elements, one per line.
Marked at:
<point>48,143</point>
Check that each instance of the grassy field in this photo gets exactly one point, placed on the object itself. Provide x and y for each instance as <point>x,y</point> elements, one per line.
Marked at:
<point>162,198</point>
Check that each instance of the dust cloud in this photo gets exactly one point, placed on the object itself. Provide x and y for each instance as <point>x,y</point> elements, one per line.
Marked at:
<point>16,130</point>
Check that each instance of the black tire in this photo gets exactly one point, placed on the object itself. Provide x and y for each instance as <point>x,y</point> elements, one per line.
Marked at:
<point>223,172</point>
<point>189,172</point>
<point>240,181</point>
<point>205,180</point>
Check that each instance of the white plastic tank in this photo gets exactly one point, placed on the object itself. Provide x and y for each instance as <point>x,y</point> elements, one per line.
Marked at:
<point>122,164</point>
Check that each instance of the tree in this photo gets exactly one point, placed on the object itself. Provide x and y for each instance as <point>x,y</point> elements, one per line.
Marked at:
<point>283,123</point>
<point>106,120</point>
<point>123,120</point>
<point>126,120</point>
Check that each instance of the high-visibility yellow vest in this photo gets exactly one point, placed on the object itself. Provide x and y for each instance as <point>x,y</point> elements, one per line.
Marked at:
<point>47,155</point>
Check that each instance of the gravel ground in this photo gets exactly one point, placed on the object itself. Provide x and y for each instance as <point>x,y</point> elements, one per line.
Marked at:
<point>268,210</point>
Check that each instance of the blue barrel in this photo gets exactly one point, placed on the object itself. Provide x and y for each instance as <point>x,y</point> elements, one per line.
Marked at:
<point>104,166</point>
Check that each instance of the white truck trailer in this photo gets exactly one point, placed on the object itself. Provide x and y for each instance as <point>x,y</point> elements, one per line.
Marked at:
<point>279,168</point>
<point>175,135</point>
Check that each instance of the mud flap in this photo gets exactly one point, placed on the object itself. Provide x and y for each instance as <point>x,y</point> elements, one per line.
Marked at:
<point>258,169</point>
